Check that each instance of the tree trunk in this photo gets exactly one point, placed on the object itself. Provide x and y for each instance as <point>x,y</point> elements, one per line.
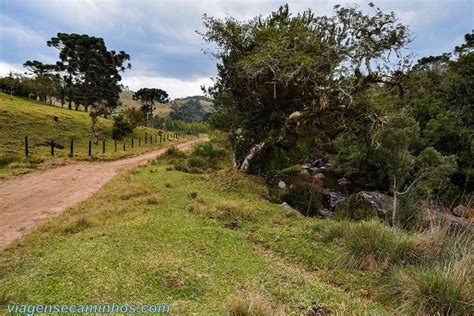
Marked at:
<point>395,202</point>
<point>254,150</point>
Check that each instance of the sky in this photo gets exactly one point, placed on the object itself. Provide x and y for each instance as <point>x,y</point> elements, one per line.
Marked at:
<point>160,36</point>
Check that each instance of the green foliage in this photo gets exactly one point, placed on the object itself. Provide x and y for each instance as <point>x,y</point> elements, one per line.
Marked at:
<point>307,198</point>
<point>292,170</point>
<point>122,127</point>
<point>148,97</point>
<point>355,209</point>
<point>190,111</point>
<point>445,289</point>
<point>285,78</point>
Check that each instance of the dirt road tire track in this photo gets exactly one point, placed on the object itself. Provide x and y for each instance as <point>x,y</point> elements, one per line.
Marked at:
<point>27,201</point>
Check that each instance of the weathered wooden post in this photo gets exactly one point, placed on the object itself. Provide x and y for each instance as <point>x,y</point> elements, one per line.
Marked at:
<point>103,146</point>
<point>26,146</point>
<point>115,145</point>
<point>71,148</point>
<point>132,142</point>
<point>52,147</point>
<point>90,148</point>
<point>124,145</point>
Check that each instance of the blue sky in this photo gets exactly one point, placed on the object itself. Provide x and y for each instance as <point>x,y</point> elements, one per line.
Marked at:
<point>160,35</point>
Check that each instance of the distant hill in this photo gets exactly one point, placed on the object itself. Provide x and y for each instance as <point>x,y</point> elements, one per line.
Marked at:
<point>126,97</point>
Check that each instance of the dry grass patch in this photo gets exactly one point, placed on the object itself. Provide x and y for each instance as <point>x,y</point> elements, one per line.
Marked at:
<point>250,306</point>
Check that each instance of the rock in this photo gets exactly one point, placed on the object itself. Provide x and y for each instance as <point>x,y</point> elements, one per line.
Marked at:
<point>305,172</point>
<point>319,176</point>
<point>463,211</point>
<point>318,162</point>
<point>56,145</point>
<point>382,203</point>
<point>324,212</point>
<point>343,181</point>
<point>294,115</point>
<point>306,166</point>
<point>282,184</point>
<point>289,210</point>
<point>434,214</point>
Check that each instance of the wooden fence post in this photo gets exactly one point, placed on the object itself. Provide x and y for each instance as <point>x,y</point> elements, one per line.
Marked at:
<point>132,142</point>
<point>115,145</point>
<point>26,146</point>
<point>124,145</point>
<point>90,148</point>
<point>146,139</point>
<point>71,148</point>
<point>52,147</point>
<point>103,146</point>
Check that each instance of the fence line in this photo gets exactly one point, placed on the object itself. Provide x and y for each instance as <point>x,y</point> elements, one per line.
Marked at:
<point>148,140</point>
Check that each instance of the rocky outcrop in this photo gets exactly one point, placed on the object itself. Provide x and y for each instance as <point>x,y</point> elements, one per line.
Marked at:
<point>441,215</point>
<point>290,211</point>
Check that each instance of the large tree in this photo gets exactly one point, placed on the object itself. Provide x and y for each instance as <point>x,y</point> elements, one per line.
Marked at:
<point>148,97</point>
<point>284,79</point>
<point>90,72</point>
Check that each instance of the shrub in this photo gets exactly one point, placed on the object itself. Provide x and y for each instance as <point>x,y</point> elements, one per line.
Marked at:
<point>174,153</point>
<point>249,307</point>
<point>305,197</point>
<point>122,127</point>
<point>355,209</point>
<point>207,150</point>
<point>440,290</point>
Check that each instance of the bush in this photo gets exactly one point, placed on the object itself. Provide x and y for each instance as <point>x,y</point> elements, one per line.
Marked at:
<point>440,290</point>
<point>355,209</point>
<point>305,197</point>
<point>122,127</point>
<point>174,152</point>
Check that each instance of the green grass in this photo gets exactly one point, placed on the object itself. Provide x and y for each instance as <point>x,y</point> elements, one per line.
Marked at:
<point>205,243</point>
<point>21,117</point>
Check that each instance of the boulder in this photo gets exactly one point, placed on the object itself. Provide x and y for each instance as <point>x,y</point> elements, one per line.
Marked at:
<point>305,173</point>
<point>50,142</point>
<point>343,182</point>
<point>282,184</point>
<point>320,162</point>
<point>463,211</point>
<point>289,210</point>
<point>382,203</point>
<point>441,215</point>
<point>324,212</point>
<point>319,176</point>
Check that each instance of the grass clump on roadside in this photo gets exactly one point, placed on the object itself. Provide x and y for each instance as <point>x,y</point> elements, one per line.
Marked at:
<point>250,306</point>
<point>443,289</point>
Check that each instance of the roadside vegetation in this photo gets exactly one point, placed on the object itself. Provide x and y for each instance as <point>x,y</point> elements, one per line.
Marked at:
<point>207,238</point>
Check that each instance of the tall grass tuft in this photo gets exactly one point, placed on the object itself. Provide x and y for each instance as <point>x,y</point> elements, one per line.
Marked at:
<point>445,289</point>
<point>251,306</point>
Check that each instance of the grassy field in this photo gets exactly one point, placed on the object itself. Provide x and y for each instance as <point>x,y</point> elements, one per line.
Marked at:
<point>204,243</point>
<point>39,121</point>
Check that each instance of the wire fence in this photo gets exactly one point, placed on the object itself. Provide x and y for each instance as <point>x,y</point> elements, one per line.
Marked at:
<point>102,148</point>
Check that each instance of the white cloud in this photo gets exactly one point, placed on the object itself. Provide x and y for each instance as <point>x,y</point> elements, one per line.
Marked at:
<point>176,88</point>
<point>6,68</point>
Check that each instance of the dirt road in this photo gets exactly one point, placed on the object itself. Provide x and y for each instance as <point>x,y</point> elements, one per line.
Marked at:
<point>27,201</point>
